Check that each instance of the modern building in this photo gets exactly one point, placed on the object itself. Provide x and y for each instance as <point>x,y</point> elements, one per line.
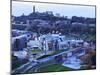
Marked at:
<point>19,42</point>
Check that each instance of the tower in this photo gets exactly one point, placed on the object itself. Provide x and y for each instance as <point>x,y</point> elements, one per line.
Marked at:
<point>33,9</point>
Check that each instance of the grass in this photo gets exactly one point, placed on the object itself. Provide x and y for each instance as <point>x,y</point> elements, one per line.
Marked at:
<point>36,51</point>
<point>88,37</point>
<point>54,68</point>
<point>43,56</point>
<point>54,53</point>
<point>57,52</point>
<point>17,63</point>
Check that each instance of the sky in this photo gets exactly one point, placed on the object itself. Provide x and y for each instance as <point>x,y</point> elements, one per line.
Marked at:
<point>18,8</point>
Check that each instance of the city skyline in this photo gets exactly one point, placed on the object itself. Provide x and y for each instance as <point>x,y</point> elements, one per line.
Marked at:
<point>18,8</point>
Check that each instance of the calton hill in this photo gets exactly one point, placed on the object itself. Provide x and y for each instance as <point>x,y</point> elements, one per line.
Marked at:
<point>47,22</point>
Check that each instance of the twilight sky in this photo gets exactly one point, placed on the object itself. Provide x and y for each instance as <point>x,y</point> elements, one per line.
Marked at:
<point>18,8</point>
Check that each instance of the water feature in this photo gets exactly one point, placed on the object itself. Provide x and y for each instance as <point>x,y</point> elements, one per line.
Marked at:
<point>72,62</point>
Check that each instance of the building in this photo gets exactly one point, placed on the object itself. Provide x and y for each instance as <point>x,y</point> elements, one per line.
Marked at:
<point>19,42</point>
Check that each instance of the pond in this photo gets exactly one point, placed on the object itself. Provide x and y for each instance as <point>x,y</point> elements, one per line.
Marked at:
<point>72,62</point>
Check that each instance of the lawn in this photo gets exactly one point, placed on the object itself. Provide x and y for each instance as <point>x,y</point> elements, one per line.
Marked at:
<point>57,52</point>
<point>17,62</point>
<point>36,51</point>
<point>54,53</point>
<point>54,68</point>
<point>88,37</point>
<point>44,56</point>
